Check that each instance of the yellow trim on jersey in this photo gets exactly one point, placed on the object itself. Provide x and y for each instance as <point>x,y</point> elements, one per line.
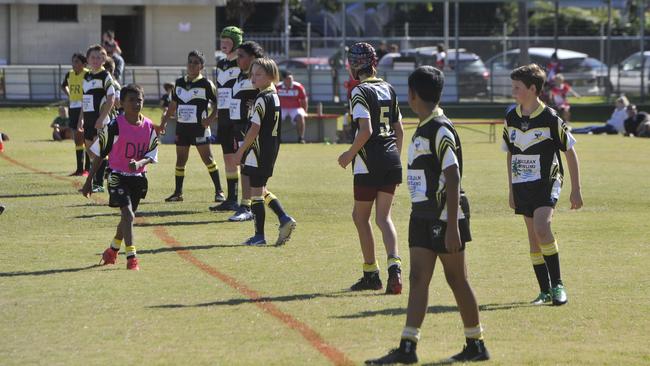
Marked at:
<point>435,113</point>
<point>535,113</point>
<point>195,79</point>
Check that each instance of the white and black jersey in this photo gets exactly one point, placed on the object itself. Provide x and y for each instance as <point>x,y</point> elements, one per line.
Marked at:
<point>227,72</point>
<point>375,100</point>
<point>435,146</point>
<point>96,87</point>
<point>535,142</point>
<point>193,99</point>
<point>261,155</point>
<point>243,97</point>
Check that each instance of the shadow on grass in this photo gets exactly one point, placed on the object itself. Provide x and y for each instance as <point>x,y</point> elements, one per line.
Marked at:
<point>270,299</point>
<point>179,223</point>
<point>435,309</point>
<point>27,195</point>
<point>189,248</point>
<point>47,271</point>
<point>137,214</point>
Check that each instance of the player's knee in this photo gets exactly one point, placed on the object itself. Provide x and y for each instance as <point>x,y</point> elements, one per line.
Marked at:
<point>359,218</point>
<point>416,279</point>
<point>455,280</point>
<point>383,222</point>
<point>128,216</point>
<point>543,231</point>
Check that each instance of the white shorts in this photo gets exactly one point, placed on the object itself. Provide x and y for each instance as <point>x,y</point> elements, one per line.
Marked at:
<point>293,113</point>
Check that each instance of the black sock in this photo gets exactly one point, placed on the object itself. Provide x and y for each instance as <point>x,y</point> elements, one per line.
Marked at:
<point>275,205</point>
<point>99,174</point>
<point>541,272</point>
<point>233,183</point>
<point>179,184</point>
<point>87,162</point>
<point>257,207</point>
<point>553,265</point>
<point>407,345</point>
<point>214,174</point>
<point>80,159</point>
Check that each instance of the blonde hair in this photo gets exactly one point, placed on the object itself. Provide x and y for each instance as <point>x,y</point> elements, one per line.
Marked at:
<point>559,77</point>
<point>623,99</point>
<point>97,48</point>
<point>270,68</point>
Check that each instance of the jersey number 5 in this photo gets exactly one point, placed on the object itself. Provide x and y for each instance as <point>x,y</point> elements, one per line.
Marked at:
<point>384,121</point>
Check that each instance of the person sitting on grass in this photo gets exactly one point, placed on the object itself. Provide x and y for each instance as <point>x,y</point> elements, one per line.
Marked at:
<point>635,120</point>
<point>131,143</point>
<point>60,126</point>
<point>614,125</point>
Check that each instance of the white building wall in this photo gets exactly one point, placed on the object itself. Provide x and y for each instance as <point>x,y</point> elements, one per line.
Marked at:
<point>34,42</point>
<point>171,32</point>
<point>4,34</point>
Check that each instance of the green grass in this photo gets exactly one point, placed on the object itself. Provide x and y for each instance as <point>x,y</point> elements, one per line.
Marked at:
<point>57,310</point>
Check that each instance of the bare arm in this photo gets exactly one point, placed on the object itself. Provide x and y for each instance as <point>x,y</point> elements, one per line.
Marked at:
<point>304,103</point>
<point>213,115</point>
<point>171,109</point>
<point>574,171</point>
<point>399,135</point>
<point>511,198</point>
<point>363,135</point>
<point>104,110</point>
<point>452,234</point>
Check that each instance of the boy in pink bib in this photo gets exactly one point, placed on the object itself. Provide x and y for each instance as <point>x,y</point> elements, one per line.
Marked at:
<point>130,142</point>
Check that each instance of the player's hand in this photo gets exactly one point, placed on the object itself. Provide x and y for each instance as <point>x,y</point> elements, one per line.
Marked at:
<point>576,199</point>
<point>134,165</point>
<point>207,122</point>
<point>87,190</point>
<point>511,199</point>
<point>160,130</point>
<point>452,238</point>
<point>345,159</point>
<point>238,155</point>
<point>99,125</point>
<point>80,129</point>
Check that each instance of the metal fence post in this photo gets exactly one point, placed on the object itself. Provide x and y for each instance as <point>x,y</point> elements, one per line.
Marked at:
<point>309,67</point>
<point>158,81</point>
<point>642,46</point>
<point>29,83</point>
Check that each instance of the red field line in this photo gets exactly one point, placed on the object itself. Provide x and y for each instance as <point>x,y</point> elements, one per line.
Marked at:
<point>336,356</point>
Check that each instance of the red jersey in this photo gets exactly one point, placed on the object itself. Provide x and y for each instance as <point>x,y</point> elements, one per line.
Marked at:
<point>290,97</point>
<point>559,95</point>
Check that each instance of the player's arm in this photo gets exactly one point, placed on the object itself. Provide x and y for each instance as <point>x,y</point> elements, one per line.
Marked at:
<point>100,148</point>
<point>212,97</point>
<point>64,86</point>
<point>574,171</point>
<point>399,130</point>
<point>363,135</point>
<point>105,109</point>
<point>452,234</point>
<point>304,100</point>
<point>151,156</point>
<point>511,197</point>
<point>259,110</point>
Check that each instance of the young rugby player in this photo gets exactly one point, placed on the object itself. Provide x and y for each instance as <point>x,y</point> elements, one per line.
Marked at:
<point>243,97</point>
<point>191,98</point>
<point>97,103</point>
<point>533,136</point>
<point>72,87</point>
<point>439,227</point>
<point>130,142</point>
<point>375,158</point>
<point>260,151</point>
<point>227,133</point>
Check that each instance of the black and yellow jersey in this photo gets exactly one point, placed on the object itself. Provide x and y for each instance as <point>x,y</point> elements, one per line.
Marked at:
<point>74,82</point>
<point>243,97</point>
<point>375,100</point>
<point>193,99</point>
<point>434,147</point>
<point>227,72</point>
<point>267,114</point>
<point>535,142</point>
<point>96,87</point>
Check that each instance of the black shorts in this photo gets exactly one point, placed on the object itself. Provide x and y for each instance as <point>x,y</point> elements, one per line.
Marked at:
<point>379,178</point>
<point>257,181</point>
<point>229,136</point>
<point>74,117</point>
<point>125,189</point>
<point>191,134</point>
<point>430,233</point>
<point>531,196</point>
<point>90,132</point>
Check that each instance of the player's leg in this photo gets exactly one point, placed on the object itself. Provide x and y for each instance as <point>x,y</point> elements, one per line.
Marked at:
<point>229,146</point>
<point>456,275</point>
<point>299,120</point>
<point>539,266</point>
<point>389,235</point>
<point>206,155</point>
<point>364,198</point>
<point>258,210</point>
<point>287,223</point>
<point>549,248</point>
<point>182,153</point>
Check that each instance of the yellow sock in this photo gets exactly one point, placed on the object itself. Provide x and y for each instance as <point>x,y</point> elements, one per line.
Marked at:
<point>130,251</point>
<point>549,249</point>
<point>536,258</point>
<point>411,333</point>
<point>394,261</point>
<point>116,243</point>
<point>474,332</point>
<point>374,267</point>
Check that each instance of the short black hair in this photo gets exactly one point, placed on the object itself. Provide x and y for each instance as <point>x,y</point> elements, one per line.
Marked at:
<point>284,73</point>
<point>80,56</point>
<point>131,88</point>
<point>198,54</point>
<point>427,82</point>
<point>252,48</point>
<point>168,86</point>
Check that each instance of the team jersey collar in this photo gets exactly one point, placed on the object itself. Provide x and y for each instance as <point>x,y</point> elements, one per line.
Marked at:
<point>98,71</point>
<point>436,113</point>
<point>372,79</point>
<point>536,113</point>
<point>195,79</point>
<point>269,88</point>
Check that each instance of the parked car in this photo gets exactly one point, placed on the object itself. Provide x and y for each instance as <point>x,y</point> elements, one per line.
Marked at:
<point>316,63</point>
<point>626,78</point>
<point>473,76</point>
<point>586,75</point>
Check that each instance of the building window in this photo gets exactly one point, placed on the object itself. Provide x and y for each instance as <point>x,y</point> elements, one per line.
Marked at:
<point>57,13</point>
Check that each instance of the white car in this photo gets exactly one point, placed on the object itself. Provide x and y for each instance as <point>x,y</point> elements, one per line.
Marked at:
<point>626,79</point>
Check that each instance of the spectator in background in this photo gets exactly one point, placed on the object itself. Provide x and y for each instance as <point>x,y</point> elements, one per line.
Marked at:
<point>60,126</point>
<point>117,60</point>
<point>394,48</point>
<point>3,138</point>
<point>615,124</point>
<point>293,101</point>
<point>553,68</point>
<point>634,121</point>
<point>382,50</point>
<point>167,97</point>
<point>441,57</point>
<point>109,36</point>
<point>558,96</point>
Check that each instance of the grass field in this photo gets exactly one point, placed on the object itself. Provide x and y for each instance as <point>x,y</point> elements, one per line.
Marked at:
<point>203,299</point>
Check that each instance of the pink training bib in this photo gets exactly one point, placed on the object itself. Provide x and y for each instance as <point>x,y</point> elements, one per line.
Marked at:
<point>132,143</point>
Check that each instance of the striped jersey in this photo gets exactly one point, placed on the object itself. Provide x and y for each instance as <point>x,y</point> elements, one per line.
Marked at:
<point>96,87</point>
<point>243,97</point>
<point>193,99</point>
